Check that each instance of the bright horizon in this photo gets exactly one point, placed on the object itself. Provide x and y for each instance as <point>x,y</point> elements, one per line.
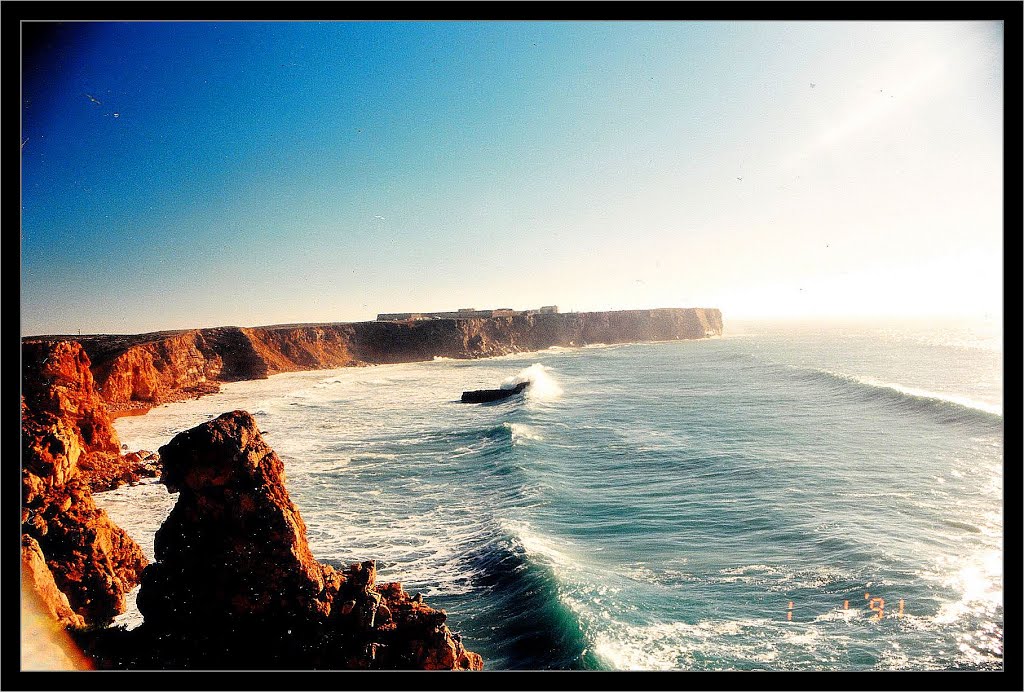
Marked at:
<point>181,175</point>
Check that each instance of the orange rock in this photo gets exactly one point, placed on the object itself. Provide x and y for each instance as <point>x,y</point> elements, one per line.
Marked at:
<point>235,584</point>
<point>64,422</point>
<point>37,578</point>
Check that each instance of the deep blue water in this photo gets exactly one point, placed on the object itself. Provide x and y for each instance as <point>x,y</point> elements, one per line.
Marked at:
<point>702,505</point>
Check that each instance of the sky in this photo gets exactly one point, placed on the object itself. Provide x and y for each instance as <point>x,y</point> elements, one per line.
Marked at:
<point>179,175</point>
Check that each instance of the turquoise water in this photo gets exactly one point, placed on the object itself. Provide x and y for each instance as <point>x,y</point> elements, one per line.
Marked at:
<point>700,505</point>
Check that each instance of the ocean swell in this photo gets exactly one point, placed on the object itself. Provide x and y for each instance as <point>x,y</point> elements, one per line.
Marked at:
<point>948,408</point>
<point>538,629</point>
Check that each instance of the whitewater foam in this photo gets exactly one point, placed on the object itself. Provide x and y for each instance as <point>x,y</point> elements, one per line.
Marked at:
<point>994,409</point>
<point>683,646</point>
<point>543,386</point>
<point>913,393</point>
<point>537,545</point>
<point>521,432</point>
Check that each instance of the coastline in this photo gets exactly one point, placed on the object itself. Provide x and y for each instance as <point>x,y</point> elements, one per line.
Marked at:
<point>134,373</point>
<point>80,568</point>
<point>137,409</point>
<point>75,387</point>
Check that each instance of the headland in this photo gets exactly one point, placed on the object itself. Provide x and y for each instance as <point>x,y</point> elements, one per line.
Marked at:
<point>136,372</point>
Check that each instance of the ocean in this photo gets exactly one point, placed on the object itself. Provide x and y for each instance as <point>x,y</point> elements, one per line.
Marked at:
<point>785,497</point>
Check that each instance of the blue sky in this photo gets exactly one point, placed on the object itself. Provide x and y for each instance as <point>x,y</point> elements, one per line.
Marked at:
<point>199,174</point>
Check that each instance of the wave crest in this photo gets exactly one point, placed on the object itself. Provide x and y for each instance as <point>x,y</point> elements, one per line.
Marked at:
<point>949,407</point>
<point>543,385</point>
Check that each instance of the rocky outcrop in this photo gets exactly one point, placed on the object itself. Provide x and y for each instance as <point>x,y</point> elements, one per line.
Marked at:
<point>94,562</point>
<point>108,472</point>
<point>234,545</point>
<point>65,426</point>
<point>36,578</point>
<point>235,584</point>
<point>57,384</point>
<point>140,371</point>
<point>480,396</point>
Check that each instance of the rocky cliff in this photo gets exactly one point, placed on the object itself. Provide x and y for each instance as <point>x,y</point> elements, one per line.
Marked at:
<point>140,371</point>
<point>236,586</point>
<point>91,562</point>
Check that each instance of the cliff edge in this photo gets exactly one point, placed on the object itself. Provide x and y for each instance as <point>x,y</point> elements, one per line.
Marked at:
<point>138,372</point>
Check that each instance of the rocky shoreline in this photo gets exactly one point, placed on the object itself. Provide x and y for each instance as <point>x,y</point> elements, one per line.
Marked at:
<point>67,439</point>
<point>234,584</point>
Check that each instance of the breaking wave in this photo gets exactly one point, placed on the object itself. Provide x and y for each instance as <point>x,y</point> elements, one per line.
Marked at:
<point>543,385</point>
<point>949,408</point>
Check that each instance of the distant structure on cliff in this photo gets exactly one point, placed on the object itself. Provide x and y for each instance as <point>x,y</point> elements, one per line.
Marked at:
<point>464,313</point>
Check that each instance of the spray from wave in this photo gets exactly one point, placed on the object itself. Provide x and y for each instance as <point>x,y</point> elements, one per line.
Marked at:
<point>543,385</point>
<point>522,432</point>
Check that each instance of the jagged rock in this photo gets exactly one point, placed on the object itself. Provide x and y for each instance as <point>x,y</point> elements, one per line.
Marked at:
<point>37,578</point>
<point>105,472</point>
<point>235,584</point>
<point>232,532</point>
<point>57,380</point>
<point>64,423</point>
<point>93,560</point>
<point>50,452</point>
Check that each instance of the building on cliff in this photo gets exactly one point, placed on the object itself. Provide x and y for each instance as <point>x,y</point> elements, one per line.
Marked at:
<point>464,313</point>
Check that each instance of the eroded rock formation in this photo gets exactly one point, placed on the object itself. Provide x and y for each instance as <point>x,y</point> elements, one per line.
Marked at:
<point>93,562</point>
<point>104,472</point>
<point>36,578</point>
<point>235,584</point>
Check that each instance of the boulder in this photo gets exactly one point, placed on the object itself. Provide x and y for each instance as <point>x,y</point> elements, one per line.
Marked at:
<point>236,586</point>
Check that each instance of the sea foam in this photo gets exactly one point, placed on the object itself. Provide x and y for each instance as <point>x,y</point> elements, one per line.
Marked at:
<point>543,385</point>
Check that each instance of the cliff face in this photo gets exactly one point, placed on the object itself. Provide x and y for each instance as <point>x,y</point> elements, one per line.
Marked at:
<point>235,584</point>
<point>174,366</point>
<point>142,371</point>
<point>57,383</point>
<point>92,562</point>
